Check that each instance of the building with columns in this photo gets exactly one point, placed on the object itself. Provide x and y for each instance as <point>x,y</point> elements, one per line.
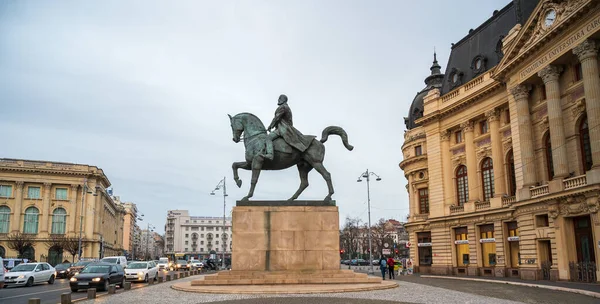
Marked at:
<point>48,200</point>
<point>197,236</point>
<point>502,151</point>
<point>129,224</point>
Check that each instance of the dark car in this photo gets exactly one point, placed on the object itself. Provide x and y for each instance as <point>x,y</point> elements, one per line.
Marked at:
<point>77,267</point>
<point>182,265</point>
<point>62,270</point>
<point>99,276</point>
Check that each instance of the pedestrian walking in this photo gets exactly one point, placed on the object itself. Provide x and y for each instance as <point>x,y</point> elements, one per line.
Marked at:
<point>391,264</point>
<point>382,266</point>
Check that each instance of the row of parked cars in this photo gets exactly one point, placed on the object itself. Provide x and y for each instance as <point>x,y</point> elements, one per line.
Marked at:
<point>82,275</point>
<point>358,262</point>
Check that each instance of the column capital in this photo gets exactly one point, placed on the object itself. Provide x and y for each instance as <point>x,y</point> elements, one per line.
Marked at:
<point>74,187</point>
<point>520,92</point>
<point>492,115</point>
<point>445,135</point>
<point>467,126</point>
<point>19,185</point>
<point>47,186</point>
<point>586,49</point>
<point>550,73</point>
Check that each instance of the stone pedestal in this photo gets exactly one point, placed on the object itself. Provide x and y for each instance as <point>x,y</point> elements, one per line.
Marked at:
<point>281,242</point>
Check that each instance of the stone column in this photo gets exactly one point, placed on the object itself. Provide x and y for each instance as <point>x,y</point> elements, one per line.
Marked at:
<point>549,75</point>
<point>447,170</point>
<point>16,220</point>
<point>493,117</point>
<point>471,160</point>
<point>521,95</point>
<point>47,196</point>
<point>76,204</point>
<point>588,56</point>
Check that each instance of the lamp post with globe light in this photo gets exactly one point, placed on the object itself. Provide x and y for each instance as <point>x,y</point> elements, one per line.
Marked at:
<point>222,186</point>
<point>367,175</point>
<point>84,190</point>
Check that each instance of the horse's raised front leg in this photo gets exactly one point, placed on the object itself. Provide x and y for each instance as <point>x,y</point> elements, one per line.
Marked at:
<point>244,165</point>
<point>303,169</point>
<point>257,163</point>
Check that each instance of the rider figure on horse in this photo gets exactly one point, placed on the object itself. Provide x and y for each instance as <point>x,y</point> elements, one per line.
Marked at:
<point>284,127</point>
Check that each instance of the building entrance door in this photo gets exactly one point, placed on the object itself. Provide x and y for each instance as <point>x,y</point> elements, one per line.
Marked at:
<point>583,239</point>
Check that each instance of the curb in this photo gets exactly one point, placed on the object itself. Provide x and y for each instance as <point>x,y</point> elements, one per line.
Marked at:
<point>556,288</point>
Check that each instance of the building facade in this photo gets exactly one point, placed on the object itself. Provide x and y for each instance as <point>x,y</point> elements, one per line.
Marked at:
<point>129,224</point>
<point>502,152</point>
<point>197,235</point>
<point>51,200</point>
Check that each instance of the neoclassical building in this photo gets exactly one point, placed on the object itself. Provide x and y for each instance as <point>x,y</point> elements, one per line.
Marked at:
<point>502,151</point>
<point>46,199</point>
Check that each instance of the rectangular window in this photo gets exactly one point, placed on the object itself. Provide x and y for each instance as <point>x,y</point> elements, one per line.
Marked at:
<point>186,249</point>
<point>217,235</point>
<point>458,136</point>
<point>187,235</point>
<point>424,201</point>
<point>577,73</point>
<point>488,245</point>
<point>462,246</point>
<point>507,116</point>
<point>418,151</point>
<point>187,228</point>
<point>513,244</point>
<point>202,228</point>
<point>217,242</point>
<point>5,191</point>
<point>201,242</point>
<point>60,193</point>
<point>202,249</point>
<point>4,219</point>
<point>425,250</point>
<point>194,228</point>
<point>33,192</point>
<point>483,126</point>
<point>202,235</point>
<point>541,220</point>
<point>186,242</point>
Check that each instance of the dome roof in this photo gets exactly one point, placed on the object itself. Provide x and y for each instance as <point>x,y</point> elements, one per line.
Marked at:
<point>432,81</point>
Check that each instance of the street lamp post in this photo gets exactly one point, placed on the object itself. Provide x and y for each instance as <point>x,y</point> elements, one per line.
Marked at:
<point>148,239</point>
<point>367,175</point>
<point>84,190</point>
<point>136,237</point>
<point>222,185</point>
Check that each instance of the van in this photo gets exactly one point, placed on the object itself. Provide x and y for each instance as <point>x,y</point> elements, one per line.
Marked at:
<point>119,260</point>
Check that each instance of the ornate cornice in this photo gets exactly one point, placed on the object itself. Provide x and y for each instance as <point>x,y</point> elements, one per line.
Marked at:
<point>586,49</point>
<point>520,92</point>
<point>550,73</point>
<point>412,160</point>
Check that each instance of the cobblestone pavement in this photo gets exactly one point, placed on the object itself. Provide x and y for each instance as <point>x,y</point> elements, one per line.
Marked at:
<point>502,291</point>
<point>408,292</point>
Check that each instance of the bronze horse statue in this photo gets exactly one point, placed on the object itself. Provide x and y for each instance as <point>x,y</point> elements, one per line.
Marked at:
<point>285,156</point>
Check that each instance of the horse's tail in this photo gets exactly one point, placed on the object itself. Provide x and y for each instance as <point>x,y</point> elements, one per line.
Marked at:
<point>337,131</point>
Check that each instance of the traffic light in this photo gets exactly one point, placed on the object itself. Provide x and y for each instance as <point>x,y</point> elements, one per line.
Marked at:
<point>341,251</point>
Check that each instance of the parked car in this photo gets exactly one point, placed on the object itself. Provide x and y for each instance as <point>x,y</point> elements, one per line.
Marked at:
<point>182,265</point>
<point>77,267</point>
<point>164,264</point>
<point>197,264</point>
<point>118,260</point>
<point>62,270</point>
<point>30,273</point>
<point>141,271</point>
<point>2,271</point>
<point>98,275</point>
<point>11,263</point>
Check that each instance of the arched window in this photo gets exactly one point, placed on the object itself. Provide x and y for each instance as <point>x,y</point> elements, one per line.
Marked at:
<point>512,179</point>
<point>549,164</point>
<point>59,221</point>
<point>4,219</point>
<point>584,143</point>
<point>30,221</point>
<point>462,185</point>
<point>487,176</point>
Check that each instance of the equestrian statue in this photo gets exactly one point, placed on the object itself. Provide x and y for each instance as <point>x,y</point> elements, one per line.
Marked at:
<point>282,148</point>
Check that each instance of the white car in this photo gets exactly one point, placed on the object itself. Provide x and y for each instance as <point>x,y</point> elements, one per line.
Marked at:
<point>164,264</point>
<point>141,271</point>
<point>30,273</point>
<point>196,264</point>
<point>119,260</point>
<point>2,271</point>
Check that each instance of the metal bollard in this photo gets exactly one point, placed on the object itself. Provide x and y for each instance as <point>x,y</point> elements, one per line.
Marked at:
<point>150,281</point>
<point>34,301</point>
<point>91,293</point>
<point>112,289</point>
<point>65,298</point>
<point>160,279</point>
<point>168,277</point>
<point>127,286</point>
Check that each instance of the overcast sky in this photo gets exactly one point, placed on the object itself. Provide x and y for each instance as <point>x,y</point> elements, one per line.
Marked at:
<point>142,90</point>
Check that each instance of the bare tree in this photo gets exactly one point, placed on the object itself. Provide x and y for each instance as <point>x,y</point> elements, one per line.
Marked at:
<point>55,241</point>
<point>349,236</point>
<point>71,245</point>
<point>19,242</point>
<point>381,233</point>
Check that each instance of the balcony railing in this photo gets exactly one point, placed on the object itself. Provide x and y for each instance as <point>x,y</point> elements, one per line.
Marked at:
<point>575,182</point>
<point>457,209</point>
<point>507,201</point>
<point>539,191</point>
<point>482,205</point>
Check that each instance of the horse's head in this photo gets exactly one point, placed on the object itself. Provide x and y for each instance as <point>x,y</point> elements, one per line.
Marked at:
<point>236,127</point>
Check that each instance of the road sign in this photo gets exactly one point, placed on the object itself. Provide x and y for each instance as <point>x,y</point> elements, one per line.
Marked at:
<point>386,245</point>
<point>386,251</point>
<point>408,244</point>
